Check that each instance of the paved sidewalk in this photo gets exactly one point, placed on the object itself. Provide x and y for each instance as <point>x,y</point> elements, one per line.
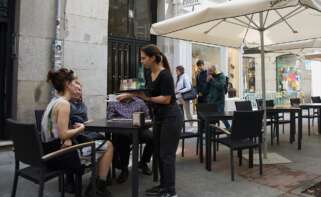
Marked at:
<point>286,180</point>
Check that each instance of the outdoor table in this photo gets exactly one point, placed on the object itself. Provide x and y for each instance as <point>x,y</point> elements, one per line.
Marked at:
<point>314,106</point>
<point>207,117</point>
<point>122,127</point>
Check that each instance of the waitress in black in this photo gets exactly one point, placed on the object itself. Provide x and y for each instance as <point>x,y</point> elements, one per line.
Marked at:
<point>168,118</point>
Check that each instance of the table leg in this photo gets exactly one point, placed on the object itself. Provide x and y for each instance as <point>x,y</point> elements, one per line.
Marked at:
<point>300,130</point>
<point>277,129</point>
<point>319,120</point>
<point>135,179</point>
<point>207,147</point>
<point>292,127</point>
<point>200,130</point>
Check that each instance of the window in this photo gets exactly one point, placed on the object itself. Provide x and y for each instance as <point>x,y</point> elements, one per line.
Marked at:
<point>130,19</point>
<point>3,8</point>
<point>142,20</point>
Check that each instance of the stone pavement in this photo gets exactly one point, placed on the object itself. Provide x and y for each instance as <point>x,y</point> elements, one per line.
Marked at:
<point>286,180</point>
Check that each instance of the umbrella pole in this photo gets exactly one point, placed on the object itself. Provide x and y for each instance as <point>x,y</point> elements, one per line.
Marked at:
<point>263,84</point>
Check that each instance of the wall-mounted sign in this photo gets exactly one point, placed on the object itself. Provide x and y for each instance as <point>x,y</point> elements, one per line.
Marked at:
<point>190,3</point>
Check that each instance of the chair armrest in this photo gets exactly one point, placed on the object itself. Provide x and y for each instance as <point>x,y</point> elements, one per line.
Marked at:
<point>67,150</point>
<point>220,129</point>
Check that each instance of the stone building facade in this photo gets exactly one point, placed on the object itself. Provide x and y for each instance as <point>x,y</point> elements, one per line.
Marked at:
<point>84,34</point>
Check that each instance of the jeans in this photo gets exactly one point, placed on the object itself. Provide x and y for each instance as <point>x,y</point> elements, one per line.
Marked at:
<point>122,146</point>
<point>220,108</point>
<point>186,108</point>
<point>167,133</point>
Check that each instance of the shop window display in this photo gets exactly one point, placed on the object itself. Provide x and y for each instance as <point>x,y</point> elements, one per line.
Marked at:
<point>249,74</point>
<point>288,73</point>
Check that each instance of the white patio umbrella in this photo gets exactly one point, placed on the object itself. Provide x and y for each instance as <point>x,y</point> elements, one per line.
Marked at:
<point>251,23</point>
<point>308,45</point>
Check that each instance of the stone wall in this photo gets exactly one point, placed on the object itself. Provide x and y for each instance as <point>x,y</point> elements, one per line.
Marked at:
<point>35,35</point>
<point>85,35</point>
<point>85,50</point>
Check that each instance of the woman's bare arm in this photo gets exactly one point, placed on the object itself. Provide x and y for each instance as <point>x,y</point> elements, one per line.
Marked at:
<point>62,116</point>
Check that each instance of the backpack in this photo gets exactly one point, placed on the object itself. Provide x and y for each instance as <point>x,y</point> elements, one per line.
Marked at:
<point>226,84</point>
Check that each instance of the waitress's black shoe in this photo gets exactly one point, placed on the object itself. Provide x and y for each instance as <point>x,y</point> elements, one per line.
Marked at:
<point>168,194</point>
<point>143,167</point>
<point>154,191</point>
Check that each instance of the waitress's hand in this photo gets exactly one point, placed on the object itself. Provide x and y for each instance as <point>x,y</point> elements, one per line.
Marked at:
<point>123,97</point>
<point>142,95</point>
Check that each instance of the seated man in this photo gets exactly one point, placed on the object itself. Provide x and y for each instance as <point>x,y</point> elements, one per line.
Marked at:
<point>125,109</point>
<point>78,114</point>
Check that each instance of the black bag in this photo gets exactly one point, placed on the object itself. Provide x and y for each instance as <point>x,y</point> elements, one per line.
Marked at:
<point>190,95</point>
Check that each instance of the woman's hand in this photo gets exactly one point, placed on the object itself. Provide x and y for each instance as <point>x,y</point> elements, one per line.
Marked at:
<point>79,126</point>
<point>66,143</point>
<point>142,95</point>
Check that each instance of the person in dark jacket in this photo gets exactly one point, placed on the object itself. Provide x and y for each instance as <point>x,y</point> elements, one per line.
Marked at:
<point>216,82</point>
<point>201,83</point>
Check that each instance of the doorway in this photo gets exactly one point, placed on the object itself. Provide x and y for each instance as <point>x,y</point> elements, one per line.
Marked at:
<point>128,26</point>
<point>6,71</point>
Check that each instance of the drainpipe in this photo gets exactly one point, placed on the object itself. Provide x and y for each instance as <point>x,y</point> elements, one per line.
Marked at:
<point>57,46</point>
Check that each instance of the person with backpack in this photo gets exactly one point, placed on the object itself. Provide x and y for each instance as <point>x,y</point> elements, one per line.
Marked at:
<point>217,88</point>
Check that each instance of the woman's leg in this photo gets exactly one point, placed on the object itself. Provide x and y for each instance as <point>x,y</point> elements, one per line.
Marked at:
<point>188,110</point>
<point>169,137</point>
<point>105,161</point>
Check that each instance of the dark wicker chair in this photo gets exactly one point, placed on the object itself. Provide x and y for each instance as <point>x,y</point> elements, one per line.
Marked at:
<point>274,120</point>
<point>192,133</point>
<point>295,102</point>
<point>246,133</point>
<point>243,106</point>
<point>28,150</point>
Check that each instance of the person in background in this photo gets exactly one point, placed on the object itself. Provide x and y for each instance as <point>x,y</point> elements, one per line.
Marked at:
<point>183,84</point>
<point>124,108</point>
<point>56,133</point>
<point>216,82</point>
<point>201,83</point>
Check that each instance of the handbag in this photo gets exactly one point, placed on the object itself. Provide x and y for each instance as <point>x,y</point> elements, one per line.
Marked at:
<point>190,95</point>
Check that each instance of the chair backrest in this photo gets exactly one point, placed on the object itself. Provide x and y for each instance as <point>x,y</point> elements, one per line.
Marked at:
<point>295,102</point>
<point>38,117</point>
<point>269,103</point>
<point>247,124</point>
<point>205,107</point>
<point>26,142</point>
<point>243,106</point>
<point>316,99</point>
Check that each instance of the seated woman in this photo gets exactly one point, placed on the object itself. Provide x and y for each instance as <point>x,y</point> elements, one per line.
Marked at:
<point>56,133</point>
